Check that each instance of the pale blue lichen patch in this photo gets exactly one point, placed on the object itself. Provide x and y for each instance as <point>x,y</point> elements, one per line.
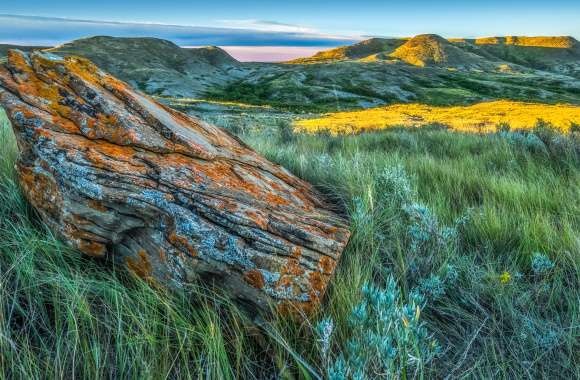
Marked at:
<point>287,293</point>
<point>50,56</point>
<point>79,178</point>
<point>200,234</point>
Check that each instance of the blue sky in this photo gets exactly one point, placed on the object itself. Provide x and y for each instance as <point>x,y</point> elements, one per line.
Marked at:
<point>297,23</point>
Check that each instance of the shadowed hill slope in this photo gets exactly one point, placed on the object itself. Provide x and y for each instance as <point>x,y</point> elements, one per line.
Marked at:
<point>214,55</point>
<point>5,47</point>
<point>157,66</point>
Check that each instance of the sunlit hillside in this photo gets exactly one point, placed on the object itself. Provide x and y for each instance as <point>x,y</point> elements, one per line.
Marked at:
<point>426,49</point>
<point>486,117</point>
<point>564,42</point>
<point>359,50</point>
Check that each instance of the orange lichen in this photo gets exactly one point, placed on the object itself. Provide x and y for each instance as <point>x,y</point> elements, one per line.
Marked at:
<point>326,264</point>
<point>289,275</point>
<point>162,255</point>
<point>85,241</point>
<point>220,171</point>
<point>110,156</point>
<point>96,205</point>
<point>258,219</point>
<point>295,309</point>
<point>18,61</point>
<point>254,278</point>
<point>83,68</point>
<point>41,190</point>
<point>293,268</point>
<point>124,153</point>
<point>91,248</point>
<point>181,242</point>
<point>317,285</point>
<point>140,265</point>
<point>34,86</point>
<point>296,251</point>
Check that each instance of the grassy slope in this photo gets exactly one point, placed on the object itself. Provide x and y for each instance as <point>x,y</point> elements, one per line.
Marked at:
<point>456,73</point>
<point>160,67</point>
<point>348,85</point>
<point>63,315</point>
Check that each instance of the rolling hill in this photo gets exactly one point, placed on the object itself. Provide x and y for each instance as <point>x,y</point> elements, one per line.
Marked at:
<point>359,50</point>
<point>426,68</point>
<point>157,66</point>
<point>431,49</point>
<point>559,54</point>
<point>554,54</point>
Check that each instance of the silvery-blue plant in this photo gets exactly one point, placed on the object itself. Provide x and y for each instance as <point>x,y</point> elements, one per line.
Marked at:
<point>541,264</point>
<point>529,141</point>
<point>387,340</point>
<point>544,336</point>
<point>394,184</point>
<point>425,232</point>
<point>324,331</point>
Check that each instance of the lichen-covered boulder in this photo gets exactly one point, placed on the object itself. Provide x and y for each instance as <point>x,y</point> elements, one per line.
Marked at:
<point>176,200</point>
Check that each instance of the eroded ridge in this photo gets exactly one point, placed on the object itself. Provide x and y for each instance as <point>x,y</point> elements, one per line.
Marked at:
<point>174,199</point>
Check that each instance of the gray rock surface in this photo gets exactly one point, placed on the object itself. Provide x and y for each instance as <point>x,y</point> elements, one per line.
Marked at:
<point>176,200</point>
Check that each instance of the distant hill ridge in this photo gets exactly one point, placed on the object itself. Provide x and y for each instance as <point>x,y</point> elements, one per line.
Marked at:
<point>432,49</point>
<point>5,47</point>
<point>149,47</point>
<point>426,68</point>
<point>156,66</point>
<point>562,42</point>
<point>357,51</point>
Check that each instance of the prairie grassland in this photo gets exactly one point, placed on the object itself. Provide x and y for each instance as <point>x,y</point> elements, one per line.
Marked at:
<point>192,101</point>
<point>468,243</point>
<point>480,117</point>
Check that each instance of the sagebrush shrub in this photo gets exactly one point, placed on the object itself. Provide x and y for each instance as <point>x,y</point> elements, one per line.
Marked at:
<point>387,340</point>
<point>541,264</point>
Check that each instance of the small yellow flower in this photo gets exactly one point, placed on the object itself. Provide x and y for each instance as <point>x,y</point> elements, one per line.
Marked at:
<point>505,277</point>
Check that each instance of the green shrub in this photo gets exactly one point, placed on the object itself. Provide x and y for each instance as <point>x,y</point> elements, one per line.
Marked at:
<point>387,337</point>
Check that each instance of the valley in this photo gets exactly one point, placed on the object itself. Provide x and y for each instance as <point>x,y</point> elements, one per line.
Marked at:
<point>424,69</point>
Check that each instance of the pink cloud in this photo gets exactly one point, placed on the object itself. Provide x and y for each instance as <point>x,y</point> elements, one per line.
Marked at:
<point>271,53</point>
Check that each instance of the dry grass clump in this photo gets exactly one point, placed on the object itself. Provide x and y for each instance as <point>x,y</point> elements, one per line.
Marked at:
<point>177,102</point>
<point>480,117</point>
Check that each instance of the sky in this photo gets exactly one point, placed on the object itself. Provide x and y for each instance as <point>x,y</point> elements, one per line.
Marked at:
<point>276,30</point>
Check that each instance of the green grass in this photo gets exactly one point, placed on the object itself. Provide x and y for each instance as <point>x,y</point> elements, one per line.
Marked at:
<point>288,92</point>
<point>63,315</point>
